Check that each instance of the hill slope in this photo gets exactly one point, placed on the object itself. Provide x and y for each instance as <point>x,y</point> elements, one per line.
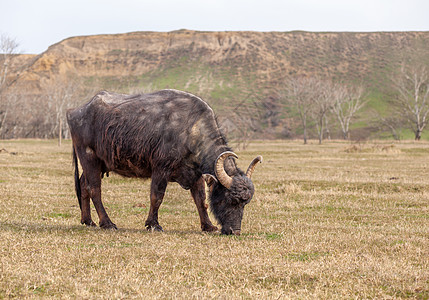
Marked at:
<point>224,67</point>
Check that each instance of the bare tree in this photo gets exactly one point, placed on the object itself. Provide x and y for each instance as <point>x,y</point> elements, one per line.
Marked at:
<point>5,106</point>
<point>347,102</point>
<point>61,95</point>
<point>327,130</point>
<point>392,123</point>
<point>8,48</point>
<point>322,103</point>
<point>299,91</point>
<point>9,115</point>
<point>412,85</point>
<point>244,119</point>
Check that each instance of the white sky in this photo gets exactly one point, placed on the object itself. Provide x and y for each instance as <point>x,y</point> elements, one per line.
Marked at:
<point>37,24</point>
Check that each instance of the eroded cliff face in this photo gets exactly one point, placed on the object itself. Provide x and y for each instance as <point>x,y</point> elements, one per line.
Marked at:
<point>253,57</point>
<point>242,75</point>
<point>134,54</point>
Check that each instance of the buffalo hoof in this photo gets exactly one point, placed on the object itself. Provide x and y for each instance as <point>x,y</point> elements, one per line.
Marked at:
<point>155,227</point>
<point>88,223</point>
<point>209,228</point>
<point>108,225</point>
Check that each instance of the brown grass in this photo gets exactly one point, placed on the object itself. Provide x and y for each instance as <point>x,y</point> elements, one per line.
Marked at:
<point>324,223</point>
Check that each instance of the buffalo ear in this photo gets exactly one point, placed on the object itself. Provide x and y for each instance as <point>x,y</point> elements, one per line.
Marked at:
<point>210,179</point>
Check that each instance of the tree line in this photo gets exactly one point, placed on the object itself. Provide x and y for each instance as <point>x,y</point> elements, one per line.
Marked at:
<point>315,98</point>
<point>316,102</point>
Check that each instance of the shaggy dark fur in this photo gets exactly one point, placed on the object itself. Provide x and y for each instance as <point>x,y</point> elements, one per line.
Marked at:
<point>169,136</point>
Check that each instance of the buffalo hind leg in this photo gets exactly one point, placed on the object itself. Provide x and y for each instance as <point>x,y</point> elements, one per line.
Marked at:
<point>157,191</point>
<point>85,207</point>
<point>95,194</point>
<point>91,166</point>
<point>199,194</point>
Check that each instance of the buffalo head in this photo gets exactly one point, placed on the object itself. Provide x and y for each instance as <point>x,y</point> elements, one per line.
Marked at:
<point>229,194</point>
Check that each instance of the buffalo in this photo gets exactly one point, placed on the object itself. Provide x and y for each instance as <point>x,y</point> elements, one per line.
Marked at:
<point>168,136</point>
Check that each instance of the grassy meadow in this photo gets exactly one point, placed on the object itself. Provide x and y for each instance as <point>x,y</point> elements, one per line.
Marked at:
<point>338,220</point>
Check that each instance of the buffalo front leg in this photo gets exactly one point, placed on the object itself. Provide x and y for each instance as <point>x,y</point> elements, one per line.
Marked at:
<point>157,191</point>
<point>199,195</point>
<point>85,207</point>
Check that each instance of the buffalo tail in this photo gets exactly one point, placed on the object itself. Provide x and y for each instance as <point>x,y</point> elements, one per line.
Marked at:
<point>76,179</point>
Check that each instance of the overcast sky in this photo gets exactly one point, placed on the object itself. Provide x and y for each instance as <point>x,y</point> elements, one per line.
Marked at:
<point>37,24</point>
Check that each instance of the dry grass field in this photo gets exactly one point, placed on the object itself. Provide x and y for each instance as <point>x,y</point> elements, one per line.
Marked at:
<point>338,220</point>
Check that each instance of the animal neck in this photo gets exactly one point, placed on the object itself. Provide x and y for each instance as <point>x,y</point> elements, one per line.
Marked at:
<point>207,143</point>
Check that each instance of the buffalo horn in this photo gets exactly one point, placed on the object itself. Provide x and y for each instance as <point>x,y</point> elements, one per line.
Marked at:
<point>221,174</point>
<point>252,165</point>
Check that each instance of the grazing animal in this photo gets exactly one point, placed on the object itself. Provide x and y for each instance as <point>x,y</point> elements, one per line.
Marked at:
<point>169,136</point>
